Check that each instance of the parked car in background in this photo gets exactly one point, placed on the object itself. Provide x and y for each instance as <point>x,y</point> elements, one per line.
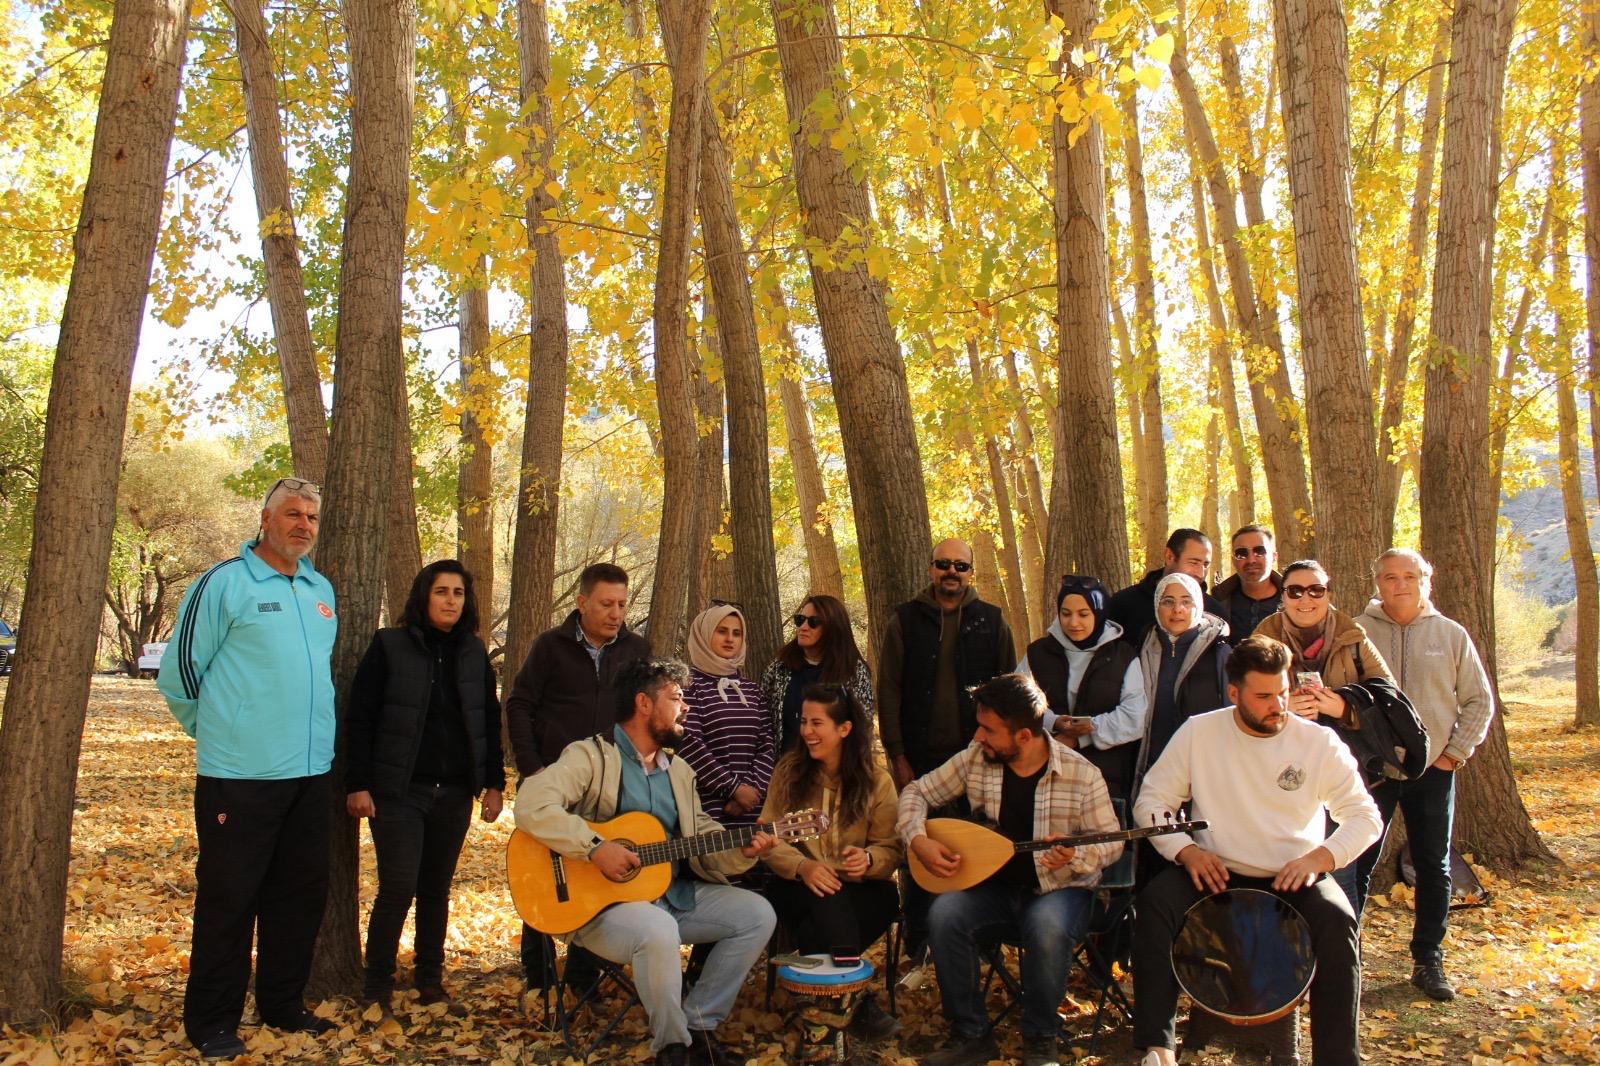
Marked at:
<point>8,647</point>
<point>150,662</point>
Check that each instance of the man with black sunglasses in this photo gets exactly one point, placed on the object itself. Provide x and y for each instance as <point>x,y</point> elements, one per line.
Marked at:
<point>936,649</point>
<point>1256,588</point>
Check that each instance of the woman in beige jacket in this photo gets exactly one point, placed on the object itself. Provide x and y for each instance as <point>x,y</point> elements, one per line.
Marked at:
<point>836,893</point>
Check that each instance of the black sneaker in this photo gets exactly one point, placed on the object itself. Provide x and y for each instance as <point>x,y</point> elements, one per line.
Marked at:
<point>1429,976</point>
<point>304,1022</point>
<point>872,1023</point>
<point>1040,1051</point>
<point>705,1051</point>
<point>224,1045</point>
<point>673,1055</point>
<point>964,1051</point>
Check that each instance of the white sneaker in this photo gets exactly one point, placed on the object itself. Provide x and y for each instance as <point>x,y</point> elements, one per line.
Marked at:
<point>1159,1056</point>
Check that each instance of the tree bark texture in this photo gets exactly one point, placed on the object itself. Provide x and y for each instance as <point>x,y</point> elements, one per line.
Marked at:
<point>475,471</point>
<point>403,556</point>
<point>533,561</point>
<point>1271,396</point>
<point>684,28</point>
<point>368,393</point>
<point>75,511</point>
<point>1021,619</point>
<point>1314,79</point>
<point>280,245</point>
<point>1511,363</point>
<point>1242,500</point>
<point>822,554</point>
<point>706,573</point>
<point>1149,534</point>
<point>1030,487</point>
<point>755,561</point>
<point>1088,519</point>
<point>1146,386</point>
<point>1396,372</point>
<point>1456,510</point>
<point>882,459</point>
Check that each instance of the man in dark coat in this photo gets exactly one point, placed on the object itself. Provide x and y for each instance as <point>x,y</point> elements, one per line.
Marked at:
<point>566,691</point>
<point>1256,588</point>
<point>1188,551</point>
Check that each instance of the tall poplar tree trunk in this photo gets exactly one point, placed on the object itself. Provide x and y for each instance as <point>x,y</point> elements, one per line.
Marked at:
<point>755,564</point>
<point>1589,141</point>
<point>367,391</point>
<point>1242,501</point>
<point>1510,366</point>
<point>1587,652</point>
<point>822,554</point>
<point>864,361</point>
<point>1088,519</point>
<point>1411,276</point>
<point>403,554</point>
<point>1314,75</point>
<point>706,522</point>
<point>1020,616</point>
<point>533,560</point>
<point>1146,386</point>
<point>1151,538</point>
<point>683,26</point>
<point>75,511</point>
<point>1271,396</point>
<point>475,472</point>
<point>1030,487</point>
<point>280,245</point>
<point>1491,819</point>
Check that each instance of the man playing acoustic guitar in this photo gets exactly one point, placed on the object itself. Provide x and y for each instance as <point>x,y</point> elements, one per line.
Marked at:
<point>627,770</point>
<point>1263,778</point>
<point>1013,773</point>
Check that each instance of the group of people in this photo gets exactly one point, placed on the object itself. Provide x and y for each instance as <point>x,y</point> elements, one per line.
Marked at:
<point>1244,705</point>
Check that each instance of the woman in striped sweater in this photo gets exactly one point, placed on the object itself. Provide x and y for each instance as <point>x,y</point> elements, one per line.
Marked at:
<point>727,728</point>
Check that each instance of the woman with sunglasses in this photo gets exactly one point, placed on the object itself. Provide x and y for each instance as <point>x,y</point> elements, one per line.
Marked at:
<point>836,894</point>
<point>1091,679</point>
<point>422,738</point>
<point>1329,647</point>
<point>727,728</point>
<point>823,649</point>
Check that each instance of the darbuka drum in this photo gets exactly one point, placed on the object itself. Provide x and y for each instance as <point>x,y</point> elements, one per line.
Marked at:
<point>1245,955</point>
<point>827,996</point>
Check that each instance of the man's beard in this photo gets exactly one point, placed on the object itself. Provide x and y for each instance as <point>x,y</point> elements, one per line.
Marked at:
<point>667,736</point>
<point>1001,758</point>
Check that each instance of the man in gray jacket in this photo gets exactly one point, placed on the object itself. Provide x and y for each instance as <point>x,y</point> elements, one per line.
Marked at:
<point>1436,665</point>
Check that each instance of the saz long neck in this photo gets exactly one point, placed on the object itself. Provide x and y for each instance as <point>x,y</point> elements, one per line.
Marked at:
<point>1027,846</point>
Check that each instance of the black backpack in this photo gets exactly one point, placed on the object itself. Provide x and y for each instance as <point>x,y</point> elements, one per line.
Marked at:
<point>1390,743</point>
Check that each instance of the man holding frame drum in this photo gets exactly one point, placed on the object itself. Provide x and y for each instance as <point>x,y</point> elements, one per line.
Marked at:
<point>1263,778</point>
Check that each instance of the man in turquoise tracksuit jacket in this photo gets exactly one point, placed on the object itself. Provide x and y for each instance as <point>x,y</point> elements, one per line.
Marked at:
<point>247,675</point>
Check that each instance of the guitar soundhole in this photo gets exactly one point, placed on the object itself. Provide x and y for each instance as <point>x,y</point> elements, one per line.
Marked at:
<point>631,846</point>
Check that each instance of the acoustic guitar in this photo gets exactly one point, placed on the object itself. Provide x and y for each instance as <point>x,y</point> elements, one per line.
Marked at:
<point>556,894</point>
<point>983,851</point>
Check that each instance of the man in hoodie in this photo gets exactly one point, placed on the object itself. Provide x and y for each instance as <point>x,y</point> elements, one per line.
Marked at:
<point>936,649</point>
<point>1188,551</point>
<point>247,676</point>
<point>1436,665</point>
<point>566,691</point>
<point>1256,588</point>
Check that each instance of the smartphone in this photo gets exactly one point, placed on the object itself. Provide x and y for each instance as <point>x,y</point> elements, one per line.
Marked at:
<point>1307,679</point>
<point>847,960</point>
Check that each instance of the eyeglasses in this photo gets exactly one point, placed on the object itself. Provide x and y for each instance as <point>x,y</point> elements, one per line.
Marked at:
<point>1294,592</point>
<point>735,604</point>
<point>960,566</point>
<point>803,620</point>
<point>1168,603</point>
<point>1259,551</point>
<point>293,484</point>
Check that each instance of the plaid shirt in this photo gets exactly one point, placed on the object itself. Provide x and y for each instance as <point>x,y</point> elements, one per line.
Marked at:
<point>1071,799</point>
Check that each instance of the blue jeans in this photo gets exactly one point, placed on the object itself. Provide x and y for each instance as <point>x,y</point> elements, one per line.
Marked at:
<point>1046,926</point>
<point>647,935</point>
<point>1429,804</point>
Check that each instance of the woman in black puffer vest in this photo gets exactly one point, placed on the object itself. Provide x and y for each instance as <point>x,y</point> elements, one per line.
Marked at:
<point>422,739</point>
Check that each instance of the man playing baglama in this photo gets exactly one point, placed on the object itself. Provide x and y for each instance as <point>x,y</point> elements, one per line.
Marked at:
<point>623,770</point>
<point>1436,665</point>
<point>1266,780</point>
<point>247,675</point>
<point>1035,788</point>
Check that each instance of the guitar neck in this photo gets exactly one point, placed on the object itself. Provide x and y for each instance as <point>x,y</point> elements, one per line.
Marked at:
<point>1028,846</point>
<point>707,844</point>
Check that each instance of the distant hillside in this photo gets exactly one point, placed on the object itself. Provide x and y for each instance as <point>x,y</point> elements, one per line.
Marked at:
<point>1543,568</point>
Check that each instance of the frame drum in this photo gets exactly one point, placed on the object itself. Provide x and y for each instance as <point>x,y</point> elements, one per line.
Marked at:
<point>1245,955</point>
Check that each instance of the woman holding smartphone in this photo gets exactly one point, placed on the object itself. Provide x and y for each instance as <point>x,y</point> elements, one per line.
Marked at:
<point>835,893</point>
<point>1091,679</point>
<point>1330,648</point>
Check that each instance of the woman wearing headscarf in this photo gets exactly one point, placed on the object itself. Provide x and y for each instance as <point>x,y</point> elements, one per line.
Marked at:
<point>822,650</point>
<point>422,739</point>
<point>1091,679</point>
<point>1181,662</point>
<point>727,728</point>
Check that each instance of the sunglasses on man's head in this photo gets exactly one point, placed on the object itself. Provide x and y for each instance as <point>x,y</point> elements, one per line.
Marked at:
<point>1259,550</point>
<point>1316,592</point>
<point>803,620</point>
<point>960,566</point>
